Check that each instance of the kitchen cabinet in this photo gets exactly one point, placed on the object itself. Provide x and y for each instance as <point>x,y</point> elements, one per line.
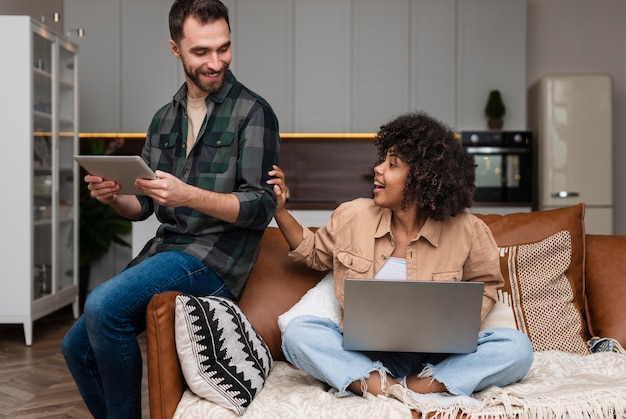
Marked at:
<point>324,66</point>
<point>127,69</point>
<point>38,251</point>
<point>372,60</point>
<point>491,44</point>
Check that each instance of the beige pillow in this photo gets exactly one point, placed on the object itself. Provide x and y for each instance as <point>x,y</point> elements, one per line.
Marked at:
<point>542,297</point>
<point>501,315</point>
<point>542,261</point>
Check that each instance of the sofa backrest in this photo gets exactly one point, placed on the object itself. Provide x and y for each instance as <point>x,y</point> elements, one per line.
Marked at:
<point>275,284</point>
<point>605,286</point>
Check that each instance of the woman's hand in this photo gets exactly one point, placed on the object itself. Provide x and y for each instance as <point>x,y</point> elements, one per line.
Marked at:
<point>289,226</point>
<point>280,187</point>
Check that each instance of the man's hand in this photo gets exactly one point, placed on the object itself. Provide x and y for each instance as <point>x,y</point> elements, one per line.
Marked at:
<point>104,191</point>
<point>167,190</point>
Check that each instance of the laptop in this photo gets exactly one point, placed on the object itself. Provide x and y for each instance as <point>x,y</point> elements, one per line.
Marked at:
<point>412,316</point>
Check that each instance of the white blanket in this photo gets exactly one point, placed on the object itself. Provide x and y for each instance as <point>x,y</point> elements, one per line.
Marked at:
<point>559,386</point>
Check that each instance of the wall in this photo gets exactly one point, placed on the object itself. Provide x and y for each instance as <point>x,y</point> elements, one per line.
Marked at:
<point>584,36</point>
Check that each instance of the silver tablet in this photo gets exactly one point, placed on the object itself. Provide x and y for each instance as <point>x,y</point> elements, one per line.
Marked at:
<point>122,169</point>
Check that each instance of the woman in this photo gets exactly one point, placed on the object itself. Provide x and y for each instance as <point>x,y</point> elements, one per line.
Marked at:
<point>414,227</point>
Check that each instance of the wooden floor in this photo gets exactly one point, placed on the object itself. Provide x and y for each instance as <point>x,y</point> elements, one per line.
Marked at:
<point>34,381</point>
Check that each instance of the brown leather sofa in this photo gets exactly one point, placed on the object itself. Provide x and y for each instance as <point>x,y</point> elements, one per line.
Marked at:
<point>277,283</point>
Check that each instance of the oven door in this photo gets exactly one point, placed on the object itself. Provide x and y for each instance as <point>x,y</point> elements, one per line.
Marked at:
<point>503,174</point>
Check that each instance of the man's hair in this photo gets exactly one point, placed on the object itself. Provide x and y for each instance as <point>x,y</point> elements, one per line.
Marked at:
<point>205,11</point>
<point>442,174</point>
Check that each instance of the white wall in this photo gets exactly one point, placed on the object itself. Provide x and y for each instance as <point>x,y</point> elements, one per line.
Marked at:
<point>585,36</point>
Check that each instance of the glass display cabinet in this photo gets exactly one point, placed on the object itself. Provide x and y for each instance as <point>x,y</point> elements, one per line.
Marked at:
<point>39,108</point>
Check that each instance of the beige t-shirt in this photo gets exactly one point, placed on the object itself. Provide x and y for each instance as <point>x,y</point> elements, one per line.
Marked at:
<point>196,111</point>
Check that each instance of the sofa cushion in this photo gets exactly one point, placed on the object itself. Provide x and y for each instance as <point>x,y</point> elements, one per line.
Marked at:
<point>318,301</point>
<point>222,357</point>
<point>542,260</point>
<point>501,315</point>
<point>605,286</point>
<point>542,295</point>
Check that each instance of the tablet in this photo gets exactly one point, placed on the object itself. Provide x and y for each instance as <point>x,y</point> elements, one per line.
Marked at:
<point>122,169</point>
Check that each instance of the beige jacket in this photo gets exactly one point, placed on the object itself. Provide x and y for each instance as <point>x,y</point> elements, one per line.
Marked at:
<point>357,240</point>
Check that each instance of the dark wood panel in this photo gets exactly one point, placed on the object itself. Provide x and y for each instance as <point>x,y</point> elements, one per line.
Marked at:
<point>323,173</point>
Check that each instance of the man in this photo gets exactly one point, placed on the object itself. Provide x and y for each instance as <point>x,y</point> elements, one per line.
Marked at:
<point>212,148</point>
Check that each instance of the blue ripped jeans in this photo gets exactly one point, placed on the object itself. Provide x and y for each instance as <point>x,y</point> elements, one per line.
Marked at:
<point>101,348</point>
<point>315,345</point>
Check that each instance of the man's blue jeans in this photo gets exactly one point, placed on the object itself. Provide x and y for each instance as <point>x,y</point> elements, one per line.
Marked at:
<point>101,349</point>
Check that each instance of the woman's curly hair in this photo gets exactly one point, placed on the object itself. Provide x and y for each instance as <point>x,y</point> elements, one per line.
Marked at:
<point>442,174</point>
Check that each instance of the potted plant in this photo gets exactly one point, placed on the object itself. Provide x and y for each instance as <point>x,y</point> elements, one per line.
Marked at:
<point>100,226</point>
<point>495,110</point>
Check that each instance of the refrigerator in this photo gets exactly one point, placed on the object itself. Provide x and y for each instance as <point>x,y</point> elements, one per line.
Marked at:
<point>571,115</point>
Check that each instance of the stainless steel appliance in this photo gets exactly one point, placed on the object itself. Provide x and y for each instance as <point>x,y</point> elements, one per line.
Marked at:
<point>504,165</point>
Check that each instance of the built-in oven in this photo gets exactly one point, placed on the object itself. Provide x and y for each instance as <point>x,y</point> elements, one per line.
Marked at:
<point>504,165</point>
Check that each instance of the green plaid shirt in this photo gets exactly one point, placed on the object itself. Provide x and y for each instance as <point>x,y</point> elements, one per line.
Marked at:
<point>236,147</point>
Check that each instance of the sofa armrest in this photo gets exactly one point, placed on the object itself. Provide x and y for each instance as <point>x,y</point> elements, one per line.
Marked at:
<point>166,383</point>
<point>605,286</point>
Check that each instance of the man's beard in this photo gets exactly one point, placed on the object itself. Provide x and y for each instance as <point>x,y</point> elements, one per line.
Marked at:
<point>208,87</point>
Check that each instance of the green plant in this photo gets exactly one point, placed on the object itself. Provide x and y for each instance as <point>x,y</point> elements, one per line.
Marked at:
<point>100,225</point>
<point>495,108</point>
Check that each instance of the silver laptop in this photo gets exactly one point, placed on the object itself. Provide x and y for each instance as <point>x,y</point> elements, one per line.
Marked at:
<point>412,316</point>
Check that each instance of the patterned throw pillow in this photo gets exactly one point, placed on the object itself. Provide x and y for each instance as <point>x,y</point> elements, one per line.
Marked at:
<point>222,357</point>
<point>542,296</point>
<point>542,257</point>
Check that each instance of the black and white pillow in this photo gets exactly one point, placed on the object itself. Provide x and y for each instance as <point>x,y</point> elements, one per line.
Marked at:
<point>222,357</point>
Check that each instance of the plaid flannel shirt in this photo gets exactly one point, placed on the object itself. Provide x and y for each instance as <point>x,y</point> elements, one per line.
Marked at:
<point>236,147</point>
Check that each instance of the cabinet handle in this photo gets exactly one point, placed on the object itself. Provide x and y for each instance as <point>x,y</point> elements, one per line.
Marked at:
<point>564,194</point>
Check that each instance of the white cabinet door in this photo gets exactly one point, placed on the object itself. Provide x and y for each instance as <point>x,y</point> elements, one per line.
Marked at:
<point>492,55</point>
<point>128,71</point>
<point>380,70</point>
<point>433,58</point>
<point>322,65</point>
<point>150,73</point>
<point>100,61</point>
<point>263,53</point>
